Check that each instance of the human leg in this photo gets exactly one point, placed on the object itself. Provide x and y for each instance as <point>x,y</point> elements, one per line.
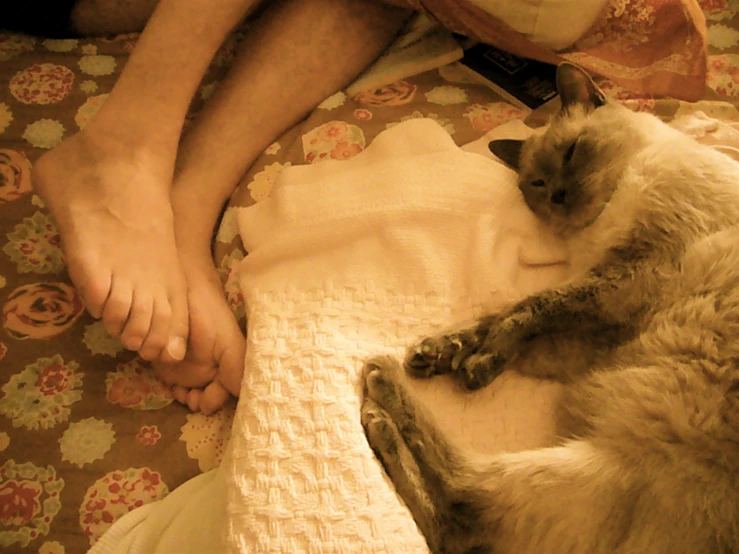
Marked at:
<point>108,186</point>
<point>298,53</point>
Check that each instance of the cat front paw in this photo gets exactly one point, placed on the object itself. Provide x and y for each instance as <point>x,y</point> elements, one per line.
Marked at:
<point>480,369</point>
<point>474,365</point>
<point>433,356</point>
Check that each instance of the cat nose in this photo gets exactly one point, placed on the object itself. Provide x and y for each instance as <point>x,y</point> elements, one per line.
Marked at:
<point>558,196</point>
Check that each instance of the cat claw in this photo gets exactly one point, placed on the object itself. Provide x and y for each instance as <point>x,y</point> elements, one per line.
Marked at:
<point>429,358</point>
<point>379,382</point>
<point>384,438</point>
<point>372,412</point>
<point>379,427</point>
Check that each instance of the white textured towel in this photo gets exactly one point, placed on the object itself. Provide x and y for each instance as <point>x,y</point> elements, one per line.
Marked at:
<point>351,259</point>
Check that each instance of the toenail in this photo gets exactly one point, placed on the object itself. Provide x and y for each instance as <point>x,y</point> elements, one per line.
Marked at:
<point>176,348</point>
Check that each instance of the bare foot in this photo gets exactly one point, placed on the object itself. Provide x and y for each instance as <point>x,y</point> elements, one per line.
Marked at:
<point>214,366</point>
<point>111,205</point>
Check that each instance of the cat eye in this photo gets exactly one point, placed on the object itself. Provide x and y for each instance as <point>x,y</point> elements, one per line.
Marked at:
<point>538,183</point>
<point>569,152</point>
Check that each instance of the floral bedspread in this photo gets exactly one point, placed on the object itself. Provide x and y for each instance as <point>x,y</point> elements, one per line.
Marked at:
<point>86,432</point>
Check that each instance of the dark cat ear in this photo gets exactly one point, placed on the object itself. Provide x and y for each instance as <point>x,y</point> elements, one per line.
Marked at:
<point>576,87</point>
<point>508,150</point>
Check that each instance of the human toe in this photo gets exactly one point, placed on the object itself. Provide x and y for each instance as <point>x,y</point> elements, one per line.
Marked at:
<point>213,398</point>
<point>180,394</point>
<point>117,307</point>
<point>156,331</point>
<point>175,347</point>
<point>231,364</point>
<point>207,401</point>
<point>94,287</point>
<point>185,374</point>
<point>138,326</point>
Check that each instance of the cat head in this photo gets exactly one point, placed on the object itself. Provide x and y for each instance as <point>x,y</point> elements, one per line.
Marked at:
<point>569,173</point>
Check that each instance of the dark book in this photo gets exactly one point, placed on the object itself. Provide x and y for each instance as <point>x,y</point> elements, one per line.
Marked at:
<point>523,82</point>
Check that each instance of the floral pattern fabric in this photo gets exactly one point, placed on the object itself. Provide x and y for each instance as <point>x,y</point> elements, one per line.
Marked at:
<point>649,46</point>
<point>86,432</point>
<point>655,46</point>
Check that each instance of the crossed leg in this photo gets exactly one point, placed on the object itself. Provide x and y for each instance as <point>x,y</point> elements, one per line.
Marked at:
<point>136,214</point>
<point>298,53</point>
<point>108,186</point>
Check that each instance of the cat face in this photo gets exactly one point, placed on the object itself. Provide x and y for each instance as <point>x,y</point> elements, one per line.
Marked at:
<point>569,173</point>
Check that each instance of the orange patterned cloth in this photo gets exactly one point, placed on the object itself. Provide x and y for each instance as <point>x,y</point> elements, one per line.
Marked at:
<point>648,46</point>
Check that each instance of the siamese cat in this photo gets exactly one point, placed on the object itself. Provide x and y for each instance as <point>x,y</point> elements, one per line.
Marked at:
<point>647,460</point>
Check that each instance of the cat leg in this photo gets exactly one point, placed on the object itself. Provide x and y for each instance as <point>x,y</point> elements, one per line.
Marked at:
<point>568,312</point>
<point>478,353</point>
<point>599,312</point>
<point>590,314</point>
<point>419,461</point>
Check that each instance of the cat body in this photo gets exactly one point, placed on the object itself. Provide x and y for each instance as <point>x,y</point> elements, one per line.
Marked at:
<point>645,337</point>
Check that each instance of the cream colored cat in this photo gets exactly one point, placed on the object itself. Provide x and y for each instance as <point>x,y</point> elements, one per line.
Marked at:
<point>646,339</point>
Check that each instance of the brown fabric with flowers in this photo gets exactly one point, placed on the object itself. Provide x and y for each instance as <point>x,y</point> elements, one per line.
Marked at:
<point>86,432</point>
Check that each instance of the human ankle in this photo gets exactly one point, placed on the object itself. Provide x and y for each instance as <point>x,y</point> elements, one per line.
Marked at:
<point>104,147</point>
<point>195,260</point>
<point>134,132</point>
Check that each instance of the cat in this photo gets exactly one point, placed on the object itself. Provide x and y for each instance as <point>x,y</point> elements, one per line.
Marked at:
<point>647,458</point>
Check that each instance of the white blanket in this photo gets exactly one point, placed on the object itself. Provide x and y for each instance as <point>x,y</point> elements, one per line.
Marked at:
<point>351,259</point>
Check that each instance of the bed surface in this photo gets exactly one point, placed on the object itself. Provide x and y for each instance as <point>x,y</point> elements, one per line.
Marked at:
<point>86,432</point>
